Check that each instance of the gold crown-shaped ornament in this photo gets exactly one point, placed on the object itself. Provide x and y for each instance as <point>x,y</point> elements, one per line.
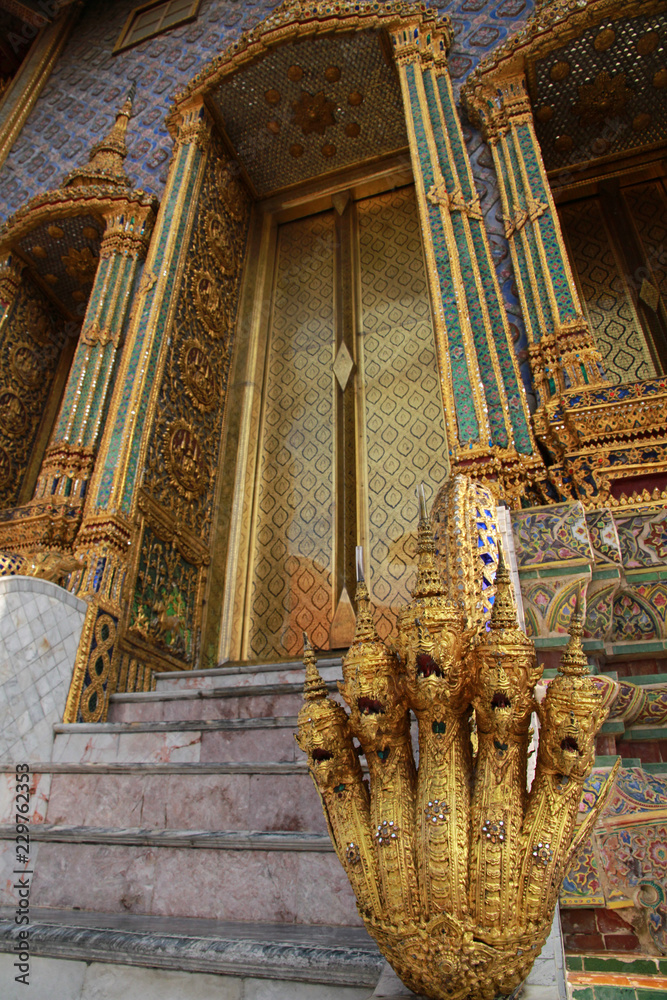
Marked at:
<point>456,866</point>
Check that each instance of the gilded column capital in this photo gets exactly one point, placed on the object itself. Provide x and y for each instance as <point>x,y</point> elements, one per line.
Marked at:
<point>128,230</point>
<point>424,40</point>
<point>11,270</point>
<point>195,126</point>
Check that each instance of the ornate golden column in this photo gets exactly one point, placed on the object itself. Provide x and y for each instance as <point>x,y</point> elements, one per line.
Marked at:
<point>562,351</point>
<point>69,459</point>
<point>484,398</point>
<point>111,533</point>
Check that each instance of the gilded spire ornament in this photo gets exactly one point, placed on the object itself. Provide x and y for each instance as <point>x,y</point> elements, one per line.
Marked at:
<point>456,865</point>
<point>107,157</point>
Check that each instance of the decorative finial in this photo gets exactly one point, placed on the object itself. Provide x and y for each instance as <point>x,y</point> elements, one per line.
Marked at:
<point>107,157</point>
<point>314,688</point>
<point>365,630</point>
<point>359,554</point>
<point>503,613</point>
<point>574,662</point>
<point>421,493</point>
<point>429,582</point>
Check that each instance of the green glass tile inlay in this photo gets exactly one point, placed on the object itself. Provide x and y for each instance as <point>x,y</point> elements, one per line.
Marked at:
<point>466,418</point>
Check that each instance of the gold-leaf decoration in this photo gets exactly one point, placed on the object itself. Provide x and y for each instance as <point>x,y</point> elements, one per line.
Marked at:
<point>210,302</point>
<point>559,71</point>
<point>606,97</point>
<point>25,365</point>
<point>13,417</point>
<point>38,252</point>
<point>80,264</point>
<point>197,374</point>
<point>185,459</point>
<point>604,39</point>
<point>648,43</point>
<point>313,113</point>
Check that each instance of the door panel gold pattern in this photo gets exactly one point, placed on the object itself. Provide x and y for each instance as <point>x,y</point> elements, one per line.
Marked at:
<point>609,307</point>
<point>404,422</point>
<point>291,587</point>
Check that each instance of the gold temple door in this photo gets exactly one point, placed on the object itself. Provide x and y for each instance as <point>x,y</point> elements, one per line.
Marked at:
<point>351,422</point>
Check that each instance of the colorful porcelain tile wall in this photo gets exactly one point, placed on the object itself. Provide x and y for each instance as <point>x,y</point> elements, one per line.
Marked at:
<point>624,864</point>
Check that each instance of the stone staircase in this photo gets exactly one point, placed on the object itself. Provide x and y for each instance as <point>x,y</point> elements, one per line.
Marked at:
<point>185,833</point>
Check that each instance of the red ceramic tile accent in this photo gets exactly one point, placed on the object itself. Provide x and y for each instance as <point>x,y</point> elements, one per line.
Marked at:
<point>621,942</point>
<point>584,942</point>
<point>610,922</point>
<point>578,921</point>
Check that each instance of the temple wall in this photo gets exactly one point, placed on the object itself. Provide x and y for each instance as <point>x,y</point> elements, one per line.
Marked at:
<point>81,98</point>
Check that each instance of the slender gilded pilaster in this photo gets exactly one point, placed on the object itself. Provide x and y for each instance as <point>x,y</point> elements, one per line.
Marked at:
<point>562,350</point>
<point>69,459</point>
<point>484,398</point>
<point>114,483</point>
<point>11,270</point>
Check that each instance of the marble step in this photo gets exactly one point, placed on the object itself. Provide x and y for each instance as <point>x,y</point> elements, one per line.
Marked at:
<point>231,702</point>
<point>281,877</point>
<point>247,674</point>
<point>190,741</point>
<point>254,797</point>
<point>324,957</point>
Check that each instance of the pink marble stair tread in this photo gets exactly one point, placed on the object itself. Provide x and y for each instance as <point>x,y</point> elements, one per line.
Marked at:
<point>260,701</point>
<point>287,886</point>
<point>267,739</point>
<point>157,801</point>
<point>246,674</point>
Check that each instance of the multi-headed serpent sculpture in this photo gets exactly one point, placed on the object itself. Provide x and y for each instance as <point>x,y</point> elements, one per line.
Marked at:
<point>455,865</point>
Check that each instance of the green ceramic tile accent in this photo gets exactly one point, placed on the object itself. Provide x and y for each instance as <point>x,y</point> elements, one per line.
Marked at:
<point>649,994</point>
<point>630,648</point>
<point>646,575</point>
<point>528,574</point>
<point>606,574</point>
<point>654,733</point>
<point>646,679</point>
<point>607,760</point>
<point>582,993</point>
<point>575,963</point>
<point>613,726</point>
<point>615,993</point>
<point>631,761</point>
<point>662,965</point>
<point>638,967</point>
<point>570,568</point>
<point>658,768</point>
<point>560,642</point>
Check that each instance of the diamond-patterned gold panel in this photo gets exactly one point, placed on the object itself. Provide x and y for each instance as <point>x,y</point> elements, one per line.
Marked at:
<point>404,420</point>
<point>647,207</point>
<point>611,314</point>
<point>291,587</point>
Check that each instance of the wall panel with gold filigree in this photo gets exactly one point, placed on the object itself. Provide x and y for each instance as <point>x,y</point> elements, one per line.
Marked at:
<point>609,307</point>
<point>404,423</point>
<point>177,494</point>
<point>31,342</point>
<point>291,585</point>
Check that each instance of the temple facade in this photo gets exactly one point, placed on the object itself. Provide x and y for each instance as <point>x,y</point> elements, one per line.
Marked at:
<point>266,271</point>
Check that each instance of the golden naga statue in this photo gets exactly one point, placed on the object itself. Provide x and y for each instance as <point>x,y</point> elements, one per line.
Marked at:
<point>456,865</point>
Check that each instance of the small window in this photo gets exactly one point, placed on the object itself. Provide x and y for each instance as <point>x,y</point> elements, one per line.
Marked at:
<point>153,18</point>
